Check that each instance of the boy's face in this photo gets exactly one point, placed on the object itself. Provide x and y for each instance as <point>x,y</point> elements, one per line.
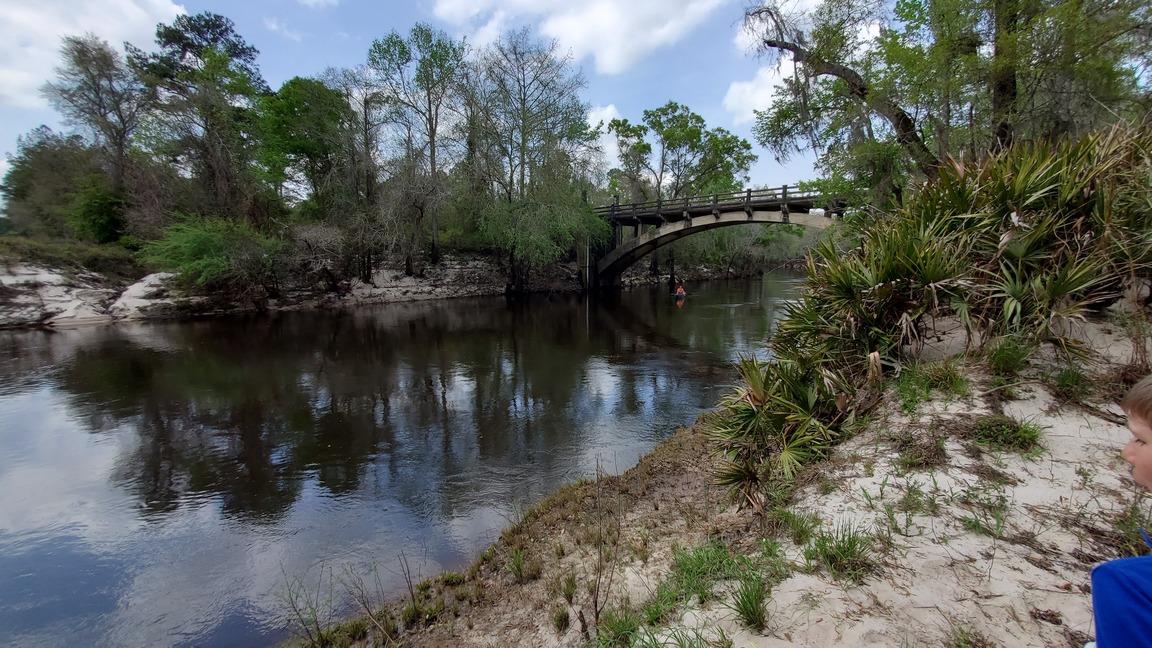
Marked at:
<point>1138,452</point>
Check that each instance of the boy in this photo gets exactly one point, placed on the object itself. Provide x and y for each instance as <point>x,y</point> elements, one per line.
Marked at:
<point>1122,588</point>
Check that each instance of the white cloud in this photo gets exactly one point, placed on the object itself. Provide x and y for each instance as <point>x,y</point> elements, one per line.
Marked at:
<point>274,25</point>
<point>607,142</point>
<point>30,36</point>
<point>319,3</point>
<point>614,33</point>
<point>743,97</point>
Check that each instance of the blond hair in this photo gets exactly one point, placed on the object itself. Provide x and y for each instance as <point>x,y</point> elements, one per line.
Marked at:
<point>1138,401</point>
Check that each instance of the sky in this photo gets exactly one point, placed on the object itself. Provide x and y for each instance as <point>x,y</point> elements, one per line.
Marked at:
<point>635,54</point>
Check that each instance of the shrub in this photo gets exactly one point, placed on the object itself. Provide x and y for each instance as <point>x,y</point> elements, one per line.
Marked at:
<point>217,255</point>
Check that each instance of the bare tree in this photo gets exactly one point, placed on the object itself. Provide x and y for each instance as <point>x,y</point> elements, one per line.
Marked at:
<point>95,90</point>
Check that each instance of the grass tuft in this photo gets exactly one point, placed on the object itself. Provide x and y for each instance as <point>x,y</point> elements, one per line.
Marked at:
<point>1006,433</point>
<point>748,602</point>
<point>845,552</point>
<point>1009,356</point>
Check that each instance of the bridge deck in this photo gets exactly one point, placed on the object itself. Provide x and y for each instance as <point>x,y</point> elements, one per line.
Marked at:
<point>659,212</point>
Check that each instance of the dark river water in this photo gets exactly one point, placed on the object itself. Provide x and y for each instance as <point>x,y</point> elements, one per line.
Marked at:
<point>162,484</point>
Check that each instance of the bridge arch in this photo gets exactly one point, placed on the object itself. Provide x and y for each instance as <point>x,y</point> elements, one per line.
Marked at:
<point>680,224</point>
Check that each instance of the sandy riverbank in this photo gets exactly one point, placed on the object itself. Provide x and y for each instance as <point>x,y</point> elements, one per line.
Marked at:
<point>967,545</point>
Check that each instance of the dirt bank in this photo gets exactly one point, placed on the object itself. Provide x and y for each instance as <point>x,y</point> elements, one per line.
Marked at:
<point>958,540</point>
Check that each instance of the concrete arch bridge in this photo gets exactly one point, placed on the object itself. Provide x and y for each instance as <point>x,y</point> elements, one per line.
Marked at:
<point>672,220</point>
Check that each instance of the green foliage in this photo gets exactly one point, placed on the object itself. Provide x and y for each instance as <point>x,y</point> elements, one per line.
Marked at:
<point>560,619</point>
<point>748,602</point>
<point>694,572</point>
<point>42,180</point>
<point>881,107</point>
<point>1009,355</point>
<point>618,628</point>
<point>1070,384</point>
<point>780,418</point>
<point>845,552</point>
<point>216,254</point>
<point>568,587</point>
<point>917,382</point>
<point>965,637</point>
<point>800,526</point>
<point>1006,433</point>
<point>1125,528</point>
<point>97,213</point>
<point>684,158</point>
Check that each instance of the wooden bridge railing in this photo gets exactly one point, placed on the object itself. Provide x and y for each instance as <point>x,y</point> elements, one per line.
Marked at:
<point>746,200</point>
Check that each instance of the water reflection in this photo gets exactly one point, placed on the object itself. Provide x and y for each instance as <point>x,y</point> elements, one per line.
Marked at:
<point>183,469</point>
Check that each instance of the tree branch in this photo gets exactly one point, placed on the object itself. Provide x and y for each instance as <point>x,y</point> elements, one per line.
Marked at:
<point>901,122</point>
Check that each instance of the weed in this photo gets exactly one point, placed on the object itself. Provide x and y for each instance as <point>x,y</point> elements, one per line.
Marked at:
<point>846,552</point>
<point>774,565</point>
<point>800,525</point>
<point>695,571</point>
<point>915,384</point>
<point>662,603</point>
<point>1009,356</point>
<point>568,587</point>
<point>1127,539</point>
<point>516,564</point>
<point>452,578</point>
<point>1071,384</point>
<point>962,637</point>
<point>1086,475</point>
<point>676,638</point>
<point>989,508</point>
<point>560,619</point>
<point>1006,433</point>
<point>919,451</point>
<point>748,602</point>
<point>618,627</point>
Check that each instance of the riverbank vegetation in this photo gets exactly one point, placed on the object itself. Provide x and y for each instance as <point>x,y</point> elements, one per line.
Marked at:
<point>183,158</point>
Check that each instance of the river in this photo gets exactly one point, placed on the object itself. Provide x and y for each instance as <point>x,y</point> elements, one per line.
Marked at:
<point>165,483</point>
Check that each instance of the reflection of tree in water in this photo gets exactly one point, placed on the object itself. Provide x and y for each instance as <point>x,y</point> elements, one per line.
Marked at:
<point>419,399</point>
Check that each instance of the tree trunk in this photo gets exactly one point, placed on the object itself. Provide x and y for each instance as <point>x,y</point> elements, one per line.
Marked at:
<point>1006,15</point>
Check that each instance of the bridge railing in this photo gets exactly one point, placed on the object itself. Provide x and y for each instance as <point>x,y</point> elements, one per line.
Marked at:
<point>735,200</point>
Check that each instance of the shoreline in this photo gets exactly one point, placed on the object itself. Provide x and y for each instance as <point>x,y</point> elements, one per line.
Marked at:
<point>964,541</point>
<point>36,296</point>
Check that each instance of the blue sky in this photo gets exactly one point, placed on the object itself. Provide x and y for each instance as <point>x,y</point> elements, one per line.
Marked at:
<point>636,54</point>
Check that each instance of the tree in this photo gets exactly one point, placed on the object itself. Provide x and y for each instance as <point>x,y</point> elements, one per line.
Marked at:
<point>302,127</point>
<point>95,90</point>
<point>529,146</point>
<point>685,158</point>
<point>419,77</point>
<point>938,78</point>
<point>42,181</point>
<point>207,84</point>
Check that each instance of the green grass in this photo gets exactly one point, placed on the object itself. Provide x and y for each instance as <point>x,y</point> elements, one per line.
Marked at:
<point>845,552</point>
<point>748,602</point>
<point>1008,356</point>
<point>917,382</point>
<point>560,619</point>
<point>619,628</point>
<point>963,637</point>
<point>1070,384</point>
<point>521,569</point>
<point>568,587</point>
<point>113,261</point>
<point>800,525</point>
<point>1006,433</point>
<point>695,572</point>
